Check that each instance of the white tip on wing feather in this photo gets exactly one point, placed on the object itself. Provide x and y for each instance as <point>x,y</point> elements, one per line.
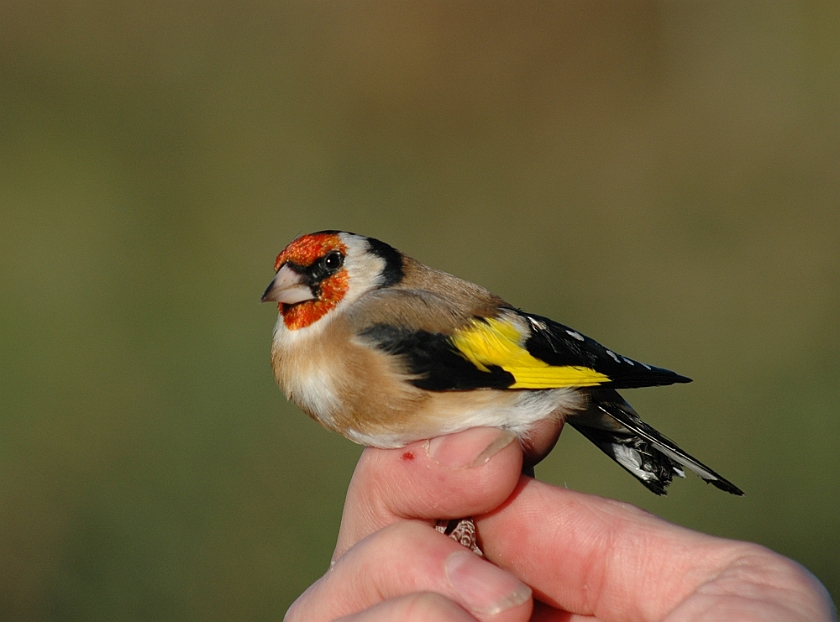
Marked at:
<point>687,463</point>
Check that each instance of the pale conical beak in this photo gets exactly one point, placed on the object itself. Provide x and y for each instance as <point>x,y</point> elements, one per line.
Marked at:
<point>288,287</point>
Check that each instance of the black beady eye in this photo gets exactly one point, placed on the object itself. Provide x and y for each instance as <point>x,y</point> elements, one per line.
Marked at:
<point>333,261</point>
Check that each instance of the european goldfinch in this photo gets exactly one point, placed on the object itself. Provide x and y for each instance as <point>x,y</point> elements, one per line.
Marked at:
<point>387,351</point>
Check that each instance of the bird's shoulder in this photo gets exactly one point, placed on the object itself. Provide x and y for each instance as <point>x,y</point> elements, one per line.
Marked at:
<point>425,299</point>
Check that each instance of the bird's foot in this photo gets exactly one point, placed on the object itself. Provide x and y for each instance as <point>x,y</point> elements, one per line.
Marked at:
<point>462,531</point>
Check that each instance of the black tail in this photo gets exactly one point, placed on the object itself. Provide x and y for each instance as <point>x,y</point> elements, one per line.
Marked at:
<point>613,425</point>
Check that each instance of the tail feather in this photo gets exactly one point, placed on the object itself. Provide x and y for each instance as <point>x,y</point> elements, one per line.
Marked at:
<point>612,424</point>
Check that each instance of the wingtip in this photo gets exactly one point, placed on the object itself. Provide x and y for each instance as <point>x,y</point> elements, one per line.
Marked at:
<point>726,486</point>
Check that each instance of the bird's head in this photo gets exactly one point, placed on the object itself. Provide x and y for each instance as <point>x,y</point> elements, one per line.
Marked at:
<point>319,271</point>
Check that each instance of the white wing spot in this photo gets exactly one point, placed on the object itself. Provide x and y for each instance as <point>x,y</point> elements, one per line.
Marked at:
<point>574,334</point>
<point>614,357</point>
<point>647,367</point>
<point>537,324</point>
<point>627,360</point>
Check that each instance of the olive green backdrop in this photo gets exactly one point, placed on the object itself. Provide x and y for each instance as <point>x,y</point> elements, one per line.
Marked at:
<point>664,177</point>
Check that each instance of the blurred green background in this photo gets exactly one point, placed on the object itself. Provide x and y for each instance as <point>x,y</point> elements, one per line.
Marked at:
<point>664,177</point>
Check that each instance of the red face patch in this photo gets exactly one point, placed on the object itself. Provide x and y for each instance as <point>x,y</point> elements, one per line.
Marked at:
<point>305,251</point>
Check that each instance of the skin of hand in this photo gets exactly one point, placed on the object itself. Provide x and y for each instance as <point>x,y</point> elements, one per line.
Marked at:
<point>583,557</point>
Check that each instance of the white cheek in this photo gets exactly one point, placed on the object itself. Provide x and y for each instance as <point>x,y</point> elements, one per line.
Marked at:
<point>365,268</point>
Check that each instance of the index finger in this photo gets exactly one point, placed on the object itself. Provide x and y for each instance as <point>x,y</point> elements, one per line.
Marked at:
<point>451,476</point>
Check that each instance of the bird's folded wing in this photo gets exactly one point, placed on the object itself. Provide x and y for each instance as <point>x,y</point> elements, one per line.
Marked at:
<point>449,348</point>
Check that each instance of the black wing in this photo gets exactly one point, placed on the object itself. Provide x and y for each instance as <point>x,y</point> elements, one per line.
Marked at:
<point>557,344</point>
<point>437,364</point>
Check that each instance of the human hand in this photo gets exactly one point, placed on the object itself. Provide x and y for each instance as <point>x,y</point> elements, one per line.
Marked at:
<point>585,557</point>
<point>391,564</point>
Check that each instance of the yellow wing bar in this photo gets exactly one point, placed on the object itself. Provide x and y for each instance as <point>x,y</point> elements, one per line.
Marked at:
<point>498,342</point>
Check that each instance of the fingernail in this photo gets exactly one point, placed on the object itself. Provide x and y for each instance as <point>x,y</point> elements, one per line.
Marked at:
<point>483,587</point>
<point>467,449</point>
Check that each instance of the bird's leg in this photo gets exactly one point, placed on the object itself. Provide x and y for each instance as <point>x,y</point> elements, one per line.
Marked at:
<point>462,531</point>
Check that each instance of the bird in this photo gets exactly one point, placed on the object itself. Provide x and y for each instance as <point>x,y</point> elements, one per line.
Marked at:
<point>386,351</point>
